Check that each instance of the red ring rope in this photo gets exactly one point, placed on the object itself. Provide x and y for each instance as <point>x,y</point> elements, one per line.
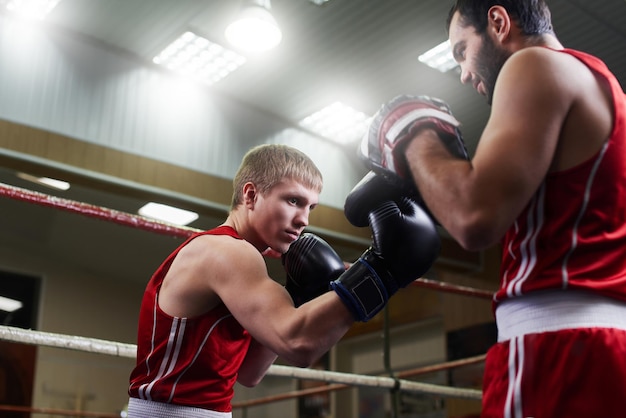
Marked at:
<point>93,211</point>
<point>147,224</point>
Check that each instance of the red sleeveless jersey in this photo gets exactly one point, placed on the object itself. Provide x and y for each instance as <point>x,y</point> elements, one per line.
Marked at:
<point>187,361</point>
<point>572,234</point>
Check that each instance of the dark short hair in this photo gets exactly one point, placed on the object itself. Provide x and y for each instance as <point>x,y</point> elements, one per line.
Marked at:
<point>532,16</point>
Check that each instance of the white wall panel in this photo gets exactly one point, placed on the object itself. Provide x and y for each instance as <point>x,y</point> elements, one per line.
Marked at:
<point>87,91</point>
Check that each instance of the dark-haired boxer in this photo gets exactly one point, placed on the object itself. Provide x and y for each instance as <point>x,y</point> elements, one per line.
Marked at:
<point>548,182</point>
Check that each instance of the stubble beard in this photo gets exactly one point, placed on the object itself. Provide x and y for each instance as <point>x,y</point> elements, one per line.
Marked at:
<point>489,62</point>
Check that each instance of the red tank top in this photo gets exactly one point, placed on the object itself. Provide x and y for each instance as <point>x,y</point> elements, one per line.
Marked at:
<point>572,234</point>
<point>187,361</point>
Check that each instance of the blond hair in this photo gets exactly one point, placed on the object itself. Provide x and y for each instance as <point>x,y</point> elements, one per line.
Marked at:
<point>268,164</point>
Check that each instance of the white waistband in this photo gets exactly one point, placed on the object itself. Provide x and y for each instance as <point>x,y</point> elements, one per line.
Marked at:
<point>557,310</point>
<point>141,408</point>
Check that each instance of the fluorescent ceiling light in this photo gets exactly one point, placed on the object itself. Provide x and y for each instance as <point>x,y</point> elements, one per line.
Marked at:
<point>255,29</point>
<point>337,122</point>
<point>439,57</point>
<point>199,58</point>
<point>9,305</point>
<point>168,214</point>
<point>45,181</point>
<point>33,9</point>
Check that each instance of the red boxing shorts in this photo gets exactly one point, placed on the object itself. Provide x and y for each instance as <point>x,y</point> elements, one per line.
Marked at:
<point>560,355</point>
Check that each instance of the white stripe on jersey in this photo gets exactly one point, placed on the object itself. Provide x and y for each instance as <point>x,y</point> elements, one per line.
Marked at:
<point>528,247</point>
<point>195,357</point>
<point>154,312</point>
<point>170,356</point>
<point>592,175</point>
<point>174,343</point>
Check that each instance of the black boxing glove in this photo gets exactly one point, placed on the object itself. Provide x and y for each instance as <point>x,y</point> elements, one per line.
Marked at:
<point>311,264</point>
<point>371,191</point>
<point>405,244</point>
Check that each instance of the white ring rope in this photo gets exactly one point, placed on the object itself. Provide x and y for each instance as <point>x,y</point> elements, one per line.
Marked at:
<point>112,348</point>
<point>375,381</point>
<point>70,342</point>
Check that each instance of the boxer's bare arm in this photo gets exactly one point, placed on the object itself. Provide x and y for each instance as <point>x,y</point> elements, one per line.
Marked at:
<point>234,272</point>
<point>477,201</point>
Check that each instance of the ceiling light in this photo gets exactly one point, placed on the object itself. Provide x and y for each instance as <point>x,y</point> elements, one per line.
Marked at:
<point>34,9</point>
<point>337,122</point>
<point>195,56</point>
<point>439,57</point>
<point>168,214</point>
<point>9,305</point>
<point>254,29</point>
<point>45,181</point>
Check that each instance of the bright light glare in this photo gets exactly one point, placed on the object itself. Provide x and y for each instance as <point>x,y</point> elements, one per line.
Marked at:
<point>337,122</point>
<point>439,57</point>
<point>197,57</point>
<point>167,213</point>
<point>32,9</point>
<point>9,305</point>
<point>45,181</point>
<point>255,30</point>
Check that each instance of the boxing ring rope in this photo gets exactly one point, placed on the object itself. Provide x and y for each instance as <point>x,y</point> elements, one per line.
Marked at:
<point>117,349</point>
<point>147,224</point>
<point>94,211</point>
<point>337,380</point>
<point>452,288</point>
<point>339,386</point>
<point>52,411</point>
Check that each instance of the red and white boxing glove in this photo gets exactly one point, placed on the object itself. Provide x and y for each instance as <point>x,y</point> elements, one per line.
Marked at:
<point>397,122</point>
